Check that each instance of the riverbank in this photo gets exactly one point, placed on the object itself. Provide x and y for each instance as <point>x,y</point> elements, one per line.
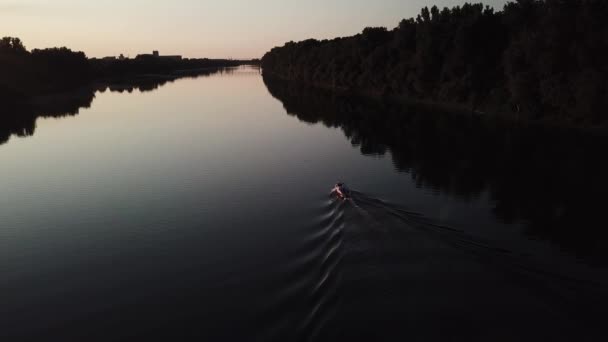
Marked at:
<point>494,113</point>
<point>29,74</point>
<point>525,62</point>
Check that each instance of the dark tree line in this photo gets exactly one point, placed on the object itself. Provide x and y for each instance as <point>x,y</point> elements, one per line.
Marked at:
<point>535,59</point>
<point>38,72</point>
<point>26,73</point>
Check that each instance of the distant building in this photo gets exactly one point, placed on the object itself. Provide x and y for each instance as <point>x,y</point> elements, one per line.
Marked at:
<point>111,59</point>
<point>144,55</point>
<point>175,58</point>
<point>156,55</point>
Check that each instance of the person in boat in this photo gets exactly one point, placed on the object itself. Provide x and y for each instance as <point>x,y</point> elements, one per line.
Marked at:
<point>341,190</point>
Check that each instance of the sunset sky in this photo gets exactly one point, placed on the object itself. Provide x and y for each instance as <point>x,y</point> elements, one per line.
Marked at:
<point>197,28</point>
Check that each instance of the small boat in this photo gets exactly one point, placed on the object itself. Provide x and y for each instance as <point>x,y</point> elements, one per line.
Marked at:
<point>341,191</point>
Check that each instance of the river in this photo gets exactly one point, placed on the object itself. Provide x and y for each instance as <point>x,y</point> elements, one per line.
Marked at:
<point>200,208</point>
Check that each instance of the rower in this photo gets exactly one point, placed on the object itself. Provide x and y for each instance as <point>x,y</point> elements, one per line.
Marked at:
<point>341,190</point>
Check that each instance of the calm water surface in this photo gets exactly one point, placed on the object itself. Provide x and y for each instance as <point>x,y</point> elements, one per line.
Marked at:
<point>200,208</point>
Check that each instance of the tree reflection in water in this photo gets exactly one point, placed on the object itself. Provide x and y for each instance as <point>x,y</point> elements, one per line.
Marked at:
<point>551,179</point>
<point>20,120</point>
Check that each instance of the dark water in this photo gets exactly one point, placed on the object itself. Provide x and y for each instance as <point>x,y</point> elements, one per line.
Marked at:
<point>199,208</point>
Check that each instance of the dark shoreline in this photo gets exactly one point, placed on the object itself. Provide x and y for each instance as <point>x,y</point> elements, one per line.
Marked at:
<point>129,81</point>
<point>498,114</point>
<point>536,61</point>
<point>30,74</point>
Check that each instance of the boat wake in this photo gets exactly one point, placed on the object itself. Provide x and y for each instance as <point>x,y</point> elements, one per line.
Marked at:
<point>382,270</point>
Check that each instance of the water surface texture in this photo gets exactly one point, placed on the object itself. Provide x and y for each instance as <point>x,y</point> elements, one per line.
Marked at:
<point>201,208</point>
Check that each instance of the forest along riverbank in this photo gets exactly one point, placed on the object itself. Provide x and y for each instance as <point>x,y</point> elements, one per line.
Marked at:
<point>26,74</point>
<point>527,62</point>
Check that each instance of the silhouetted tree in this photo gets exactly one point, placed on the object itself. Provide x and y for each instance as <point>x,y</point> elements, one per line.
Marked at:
<point>42,71</point>
<point>542,59</point>
<point>12,45</point>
